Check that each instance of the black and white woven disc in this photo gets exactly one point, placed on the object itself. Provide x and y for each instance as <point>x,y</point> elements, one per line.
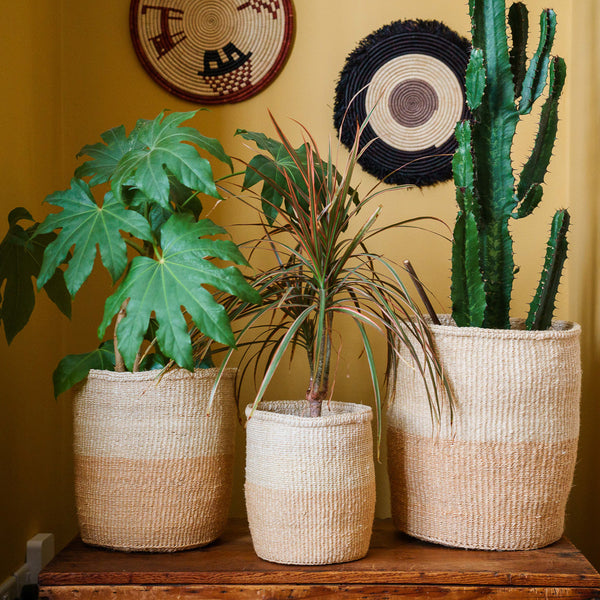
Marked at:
<point>409,78</point>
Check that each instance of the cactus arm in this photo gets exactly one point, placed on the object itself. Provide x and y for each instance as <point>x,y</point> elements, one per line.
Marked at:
<point>530,202</point>
<point>462,162</point>
<point>542,305</point>
<point>537,165</point>
<point>475,79</point>
<point>535,78</point>
<point>468,294</point>
<point>518,20</point>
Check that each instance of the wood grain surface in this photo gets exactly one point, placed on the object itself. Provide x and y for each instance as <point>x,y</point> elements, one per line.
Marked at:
<point>346,592</point>
<point>396,566</point>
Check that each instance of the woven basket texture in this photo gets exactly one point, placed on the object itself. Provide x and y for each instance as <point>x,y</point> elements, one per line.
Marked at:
<point>153,470</point>
<point>310,482</point>
<point>498,476</point>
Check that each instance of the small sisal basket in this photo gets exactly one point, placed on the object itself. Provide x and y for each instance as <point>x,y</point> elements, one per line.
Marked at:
<point>310,482</point>
<point>499,476</point>
<point>153,471</point>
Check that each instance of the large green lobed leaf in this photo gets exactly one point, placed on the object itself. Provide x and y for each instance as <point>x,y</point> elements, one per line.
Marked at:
<point>174,282</point>
<point>163,148</point>
<point>84,225</point>
<point>21,254</point>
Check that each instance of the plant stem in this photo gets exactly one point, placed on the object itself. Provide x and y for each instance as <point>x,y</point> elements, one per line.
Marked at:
<point>135,246</point>
<point>119,362</point>
<point>319,384</point>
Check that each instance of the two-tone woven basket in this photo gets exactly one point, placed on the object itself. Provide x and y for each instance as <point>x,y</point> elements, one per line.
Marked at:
<point>153,467</point>
<point>310,482</point>
<point>499,475</point>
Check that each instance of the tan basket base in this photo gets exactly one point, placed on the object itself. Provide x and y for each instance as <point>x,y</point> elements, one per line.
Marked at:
<point>480,495</point>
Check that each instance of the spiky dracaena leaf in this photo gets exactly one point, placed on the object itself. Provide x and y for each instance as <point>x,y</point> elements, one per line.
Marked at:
<point>83,226</point>
<point>542,305</point>
<point>175,280</point>
<point>21,255</point>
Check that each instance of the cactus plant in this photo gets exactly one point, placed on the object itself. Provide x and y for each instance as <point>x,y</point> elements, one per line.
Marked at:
<point>501,88</point>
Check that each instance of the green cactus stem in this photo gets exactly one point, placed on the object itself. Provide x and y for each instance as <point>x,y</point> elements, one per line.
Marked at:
<point>501,87</point>
<point>542,305</point>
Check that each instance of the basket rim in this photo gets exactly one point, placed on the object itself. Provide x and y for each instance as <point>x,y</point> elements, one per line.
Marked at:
<point>352,413</point>
<point>174,374</point>
<point>560,330</point>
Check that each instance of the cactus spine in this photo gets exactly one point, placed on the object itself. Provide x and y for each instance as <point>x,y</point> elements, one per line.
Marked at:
<point>501,88</point>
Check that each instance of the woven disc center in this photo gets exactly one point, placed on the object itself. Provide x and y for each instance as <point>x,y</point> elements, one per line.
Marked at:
<point>413,102</point>
<point>211,23</point>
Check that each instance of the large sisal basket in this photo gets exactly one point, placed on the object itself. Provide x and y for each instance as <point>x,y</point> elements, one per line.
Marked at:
<point>310,482</point>
<point>498,477</point>
<point>153,470</point>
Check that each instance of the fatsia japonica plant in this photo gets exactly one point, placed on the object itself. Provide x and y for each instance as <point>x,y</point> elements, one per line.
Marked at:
<point>317,231</point>
<point>151,239</point>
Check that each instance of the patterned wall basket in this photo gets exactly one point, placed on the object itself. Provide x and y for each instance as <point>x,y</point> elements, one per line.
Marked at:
<point>499,477</point>
<point>153,471</point>
<point>410,76</point>
<point>212,51</point>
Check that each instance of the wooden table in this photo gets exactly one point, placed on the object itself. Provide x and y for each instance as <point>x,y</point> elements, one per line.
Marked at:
<point>396,567</point>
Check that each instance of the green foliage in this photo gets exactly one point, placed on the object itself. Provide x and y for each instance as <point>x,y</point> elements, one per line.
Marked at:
<point>320,272</point>
<point>83,226</point>
<point>487,193</point>
<point>542,305</point>
<point>21,255</point>
<point>175,279</point>
<point>74,368</point>
<point>156,174</point>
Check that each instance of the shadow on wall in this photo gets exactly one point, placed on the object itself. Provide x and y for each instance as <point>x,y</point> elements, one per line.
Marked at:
<point>583,525</point>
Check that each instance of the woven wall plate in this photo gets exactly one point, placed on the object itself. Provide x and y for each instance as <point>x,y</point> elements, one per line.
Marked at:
<point>212,51</point>
<point>409,77</point>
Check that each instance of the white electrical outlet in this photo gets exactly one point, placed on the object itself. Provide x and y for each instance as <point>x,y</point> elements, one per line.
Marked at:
<point>40,550</point>
<point>8,589</point>
<point>22,577</point>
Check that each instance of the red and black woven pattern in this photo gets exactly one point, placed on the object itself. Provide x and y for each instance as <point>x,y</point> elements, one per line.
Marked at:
<point>212,51</point>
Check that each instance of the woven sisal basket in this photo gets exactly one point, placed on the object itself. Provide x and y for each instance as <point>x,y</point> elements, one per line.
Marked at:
<point>498,478</point>
<point>310,482</point>
<point>153,471</point>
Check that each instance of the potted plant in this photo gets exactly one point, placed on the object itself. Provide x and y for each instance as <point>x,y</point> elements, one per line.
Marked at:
<point>310,482</point>
<point>497,475</point>
<point>152,463</point>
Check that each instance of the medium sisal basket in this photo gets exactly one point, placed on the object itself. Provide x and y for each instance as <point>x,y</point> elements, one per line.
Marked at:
<point>498,477</point>
<point>153,470</point>
<point>310,482</point>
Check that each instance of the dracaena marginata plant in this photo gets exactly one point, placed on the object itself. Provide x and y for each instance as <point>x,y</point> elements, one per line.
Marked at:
<point>156,248</point>
<point>318,231</point>
<point>502,87</point>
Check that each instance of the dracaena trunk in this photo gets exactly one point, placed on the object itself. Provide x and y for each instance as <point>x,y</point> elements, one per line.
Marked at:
<point>319,381</point>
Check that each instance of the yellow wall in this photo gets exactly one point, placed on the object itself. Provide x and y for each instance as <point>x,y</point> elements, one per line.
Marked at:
<point>76,74</point>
